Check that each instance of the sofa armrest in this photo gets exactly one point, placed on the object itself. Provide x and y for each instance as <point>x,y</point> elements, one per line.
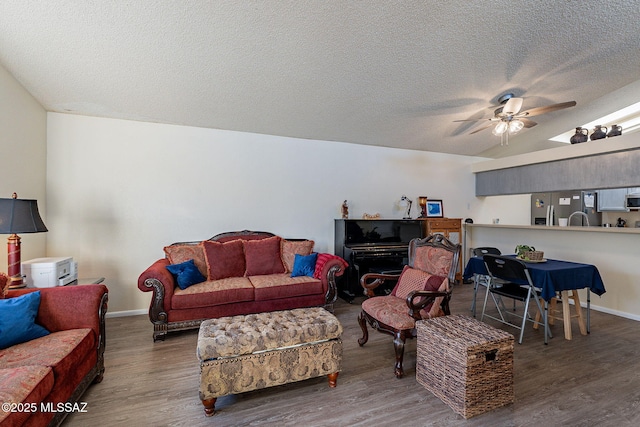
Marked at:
<point>330,267</point>
<point>158,279</point>
<point>70,307</point>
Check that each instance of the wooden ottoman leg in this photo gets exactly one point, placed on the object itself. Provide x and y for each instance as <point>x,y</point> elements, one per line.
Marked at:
<point>209,406</point>
<point>333,379</point>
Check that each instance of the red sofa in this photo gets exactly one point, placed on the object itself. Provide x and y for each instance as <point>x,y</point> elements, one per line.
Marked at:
<point>243,272</point>
<point>43,378</point>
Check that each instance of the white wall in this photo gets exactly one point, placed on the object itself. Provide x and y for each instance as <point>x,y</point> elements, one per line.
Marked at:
<point>118,191</point>
<point>23,153</point>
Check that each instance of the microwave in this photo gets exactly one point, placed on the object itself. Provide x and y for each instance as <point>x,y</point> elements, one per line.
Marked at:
<point>632,201</point>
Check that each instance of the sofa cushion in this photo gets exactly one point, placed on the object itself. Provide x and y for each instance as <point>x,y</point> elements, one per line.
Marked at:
<point>304,265</point>
<point>213,292</point>
<point>186,274</point>
<point>182,252</point>
<point>263,256</point>
<point>70,354</point>
<point>224,259</point>
<point>59,350</point>
<point>23,384</point>
<point>17,319</point>
<point>277,286</point>
<point>289,248</point>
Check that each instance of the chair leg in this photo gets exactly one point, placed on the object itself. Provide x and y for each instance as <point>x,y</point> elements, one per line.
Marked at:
<point>363,325</point>
<point>398,344</point>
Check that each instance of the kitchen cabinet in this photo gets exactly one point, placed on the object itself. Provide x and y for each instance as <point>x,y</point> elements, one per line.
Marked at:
<point>612,200</point>
<point>451,228</point>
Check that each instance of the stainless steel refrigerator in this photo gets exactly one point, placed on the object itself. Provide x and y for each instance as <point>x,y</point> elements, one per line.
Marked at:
<point>546,208</point>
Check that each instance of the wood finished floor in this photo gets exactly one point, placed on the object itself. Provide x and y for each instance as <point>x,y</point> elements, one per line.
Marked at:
<point>593,380</point>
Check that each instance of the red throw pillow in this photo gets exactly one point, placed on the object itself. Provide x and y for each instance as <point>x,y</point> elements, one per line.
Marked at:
<point>224,259</point>
<point>413,279</point>
<point>263,256</point>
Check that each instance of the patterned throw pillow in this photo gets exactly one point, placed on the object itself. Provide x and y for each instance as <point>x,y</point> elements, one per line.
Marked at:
<point>224,259</point>
<point>413,279</point>
<point>179,253</point>
<point>289,248</point>
<point>263,256</point>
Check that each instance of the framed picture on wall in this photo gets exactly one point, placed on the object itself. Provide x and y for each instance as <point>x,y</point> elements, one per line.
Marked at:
<point>434,208</point>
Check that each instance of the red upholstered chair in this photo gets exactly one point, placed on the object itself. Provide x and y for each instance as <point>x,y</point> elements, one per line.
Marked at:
<point>423,291</point>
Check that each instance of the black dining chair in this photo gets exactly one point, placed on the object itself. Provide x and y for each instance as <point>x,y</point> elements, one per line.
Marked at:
<point>515,283</point>
<point>481,280</point>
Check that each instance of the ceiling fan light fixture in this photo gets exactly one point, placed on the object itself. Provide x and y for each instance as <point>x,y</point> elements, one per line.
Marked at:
<point>500,128</point>
<point>515,126</point>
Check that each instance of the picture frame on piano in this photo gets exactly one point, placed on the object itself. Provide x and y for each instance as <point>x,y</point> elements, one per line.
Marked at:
<point>434,209</point>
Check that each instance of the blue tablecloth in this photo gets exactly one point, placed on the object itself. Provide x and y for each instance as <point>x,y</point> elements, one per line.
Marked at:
<point>551,276</point>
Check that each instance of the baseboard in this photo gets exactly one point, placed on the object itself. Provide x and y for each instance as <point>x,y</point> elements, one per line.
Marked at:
<point>614,312</point>
<point>127,313</point>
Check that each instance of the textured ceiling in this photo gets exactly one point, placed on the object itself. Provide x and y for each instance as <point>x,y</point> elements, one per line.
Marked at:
<point>377,72</point>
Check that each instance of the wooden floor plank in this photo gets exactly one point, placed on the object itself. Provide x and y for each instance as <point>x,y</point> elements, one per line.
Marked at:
<point>593,380</point>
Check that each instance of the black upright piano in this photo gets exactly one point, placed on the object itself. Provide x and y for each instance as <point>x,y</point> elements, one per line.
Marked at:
<point>373,245</point>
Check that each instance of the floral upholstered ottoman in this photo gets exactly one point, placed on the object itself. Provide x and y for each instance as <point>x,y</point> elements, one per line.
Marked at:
<point>250,352</point>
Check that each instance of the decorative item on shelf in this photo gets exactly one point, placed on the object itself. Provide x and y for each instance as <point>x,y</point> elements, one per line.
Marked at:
<point>581,135</point>
<point>422,201</point>
<point>345,210</point>
<point>598,133</point>
<point>434,209</point>
<point>406,202</point>
<point>615,131</point>
<point>18,216</point>
<point>621,223</point>
<point>370,216</point>
<point>528,253</point>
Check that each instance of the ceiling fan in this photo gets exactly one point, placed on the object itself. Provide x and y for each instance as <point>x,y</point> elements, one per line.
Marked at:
<point>508,118</point>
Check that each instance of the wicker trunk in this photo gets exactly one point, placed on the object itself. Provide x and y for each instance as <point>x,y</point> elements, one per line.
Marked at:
<point>466,363</point>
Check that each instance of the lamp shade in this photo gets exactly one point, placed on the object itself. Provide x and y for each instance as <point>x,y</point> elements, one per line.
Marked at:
<point>19,216</point>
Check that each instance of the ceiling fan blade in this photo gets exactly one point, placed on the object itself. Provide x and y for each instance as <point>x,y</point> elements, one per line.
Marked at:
<point>482,128</point>
<point>527,123</point>
<point>512,106</point>
<point>543,110</point>
<point>474,120</point>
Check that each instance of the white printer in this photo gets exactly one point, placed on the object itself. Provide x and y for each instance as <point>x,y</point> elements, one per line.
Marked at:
<point>49,272</point>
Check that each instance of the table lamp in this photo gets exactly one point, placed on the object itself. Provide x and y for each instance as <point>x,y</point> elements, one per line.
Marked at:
<point>406,202</point>
<point>18,216</point>
<point>422,201</point>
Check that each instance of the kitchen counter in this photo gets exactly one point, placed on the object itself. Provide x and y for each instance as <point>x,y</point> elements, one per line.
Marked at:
<point>613,250</point>
<point>595,229</point>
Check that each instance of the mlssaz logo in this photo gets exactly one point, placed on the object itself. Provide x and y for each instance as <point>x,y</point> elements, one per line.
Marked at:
<point>63,407</point>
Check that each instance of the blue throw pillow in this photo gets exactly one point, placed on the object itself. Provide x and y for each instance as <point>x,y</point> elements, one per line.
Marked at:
<point>17,320</point>
<point>304,265</point>
<point>186,274</point>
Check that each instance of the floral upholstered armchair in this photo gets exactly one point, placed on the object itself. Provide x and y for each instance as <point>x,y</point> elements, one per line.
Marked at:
<point>423,291</point>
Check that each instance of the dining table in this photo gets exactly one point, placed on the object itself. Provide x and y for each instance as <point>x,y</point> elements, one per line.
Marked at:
<point>554,277</point>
